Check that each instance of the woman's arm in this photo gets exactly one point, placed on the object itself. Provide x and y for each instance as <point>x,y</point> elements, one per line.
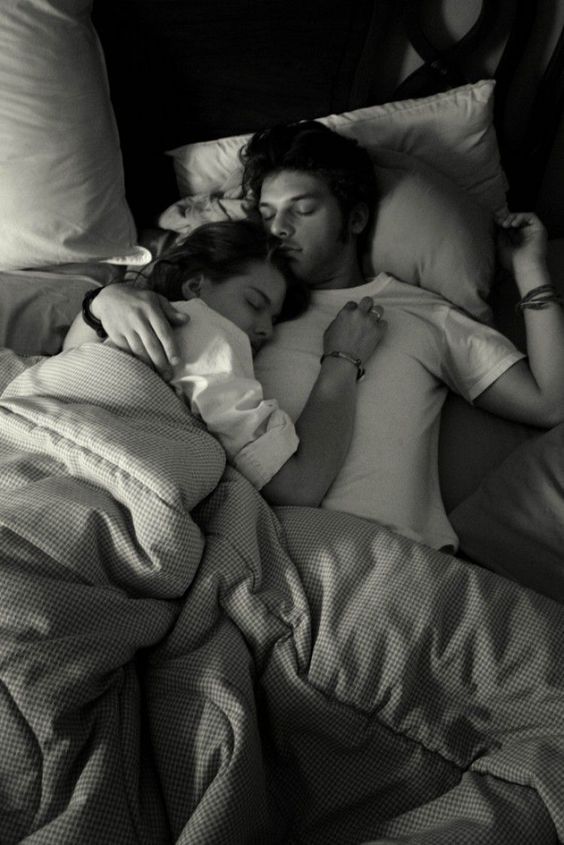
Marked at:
<point>79,333</point>
<point>531,391</point>
<point>138,321</point>
<point>325,425</point>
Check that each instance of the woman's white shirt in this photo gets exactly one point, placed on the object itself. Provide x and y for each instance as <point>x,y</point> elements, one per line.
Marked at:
<point>216,377</point>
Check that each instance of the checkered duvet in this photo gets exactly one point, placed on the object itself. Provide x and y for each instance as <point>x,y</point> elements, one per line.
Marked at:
<point>181,664</point>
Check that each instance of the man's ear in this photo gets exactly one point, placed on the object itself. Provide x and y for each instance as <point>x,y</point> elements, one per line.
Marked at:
<point>191,287</point>
<point>358,218</point>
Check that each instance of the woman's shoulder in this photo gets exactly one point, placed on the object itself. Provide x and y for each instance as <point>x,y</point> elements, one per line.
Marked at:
<point>207,326</point>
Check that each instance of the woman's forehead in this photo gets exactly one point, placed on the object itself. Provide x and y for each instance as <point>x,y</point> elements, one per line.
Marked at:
<point>263,276</point>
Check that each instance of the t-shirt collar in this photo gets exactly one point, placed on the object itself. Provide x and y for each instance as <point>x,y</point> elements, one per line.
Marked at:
<point>371,287</point>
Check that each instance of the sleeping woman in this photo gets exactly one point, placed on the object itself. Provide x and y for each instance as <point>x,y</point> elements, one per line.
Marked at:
<point>232,284</point>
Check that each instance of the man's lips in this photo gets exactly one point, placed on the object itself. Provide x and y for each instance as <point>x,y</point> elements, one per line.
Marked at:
<point>287,249</point>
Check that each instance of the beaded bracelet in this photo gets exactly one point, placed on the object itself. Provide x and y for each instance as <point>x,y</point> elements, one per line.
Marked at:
<point>538,298</point>
<point>345,355</point>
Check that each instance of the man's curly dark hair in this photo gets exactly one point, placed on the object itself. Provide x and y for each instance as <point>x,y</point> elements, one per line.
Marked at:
<point>312,147</point>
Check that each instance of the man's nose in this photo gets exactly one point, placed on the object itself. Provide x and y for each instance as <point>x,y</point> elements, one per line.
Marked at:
<point>280,225</point>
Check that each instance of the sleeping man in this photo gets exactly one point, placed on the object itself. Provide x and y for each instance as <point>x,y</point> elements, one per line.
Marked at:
<point>315,192</point>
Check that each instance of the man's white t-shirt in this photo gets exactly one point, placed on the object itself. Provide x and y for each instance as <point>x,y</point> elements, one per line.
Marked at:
<point>216,376</point>
<point>391,472</point>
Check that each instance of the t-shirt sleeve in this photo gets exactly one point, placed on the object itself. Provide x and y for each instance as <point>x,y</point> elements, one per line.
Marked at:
<point>475,355</point>
<point>257,435</point>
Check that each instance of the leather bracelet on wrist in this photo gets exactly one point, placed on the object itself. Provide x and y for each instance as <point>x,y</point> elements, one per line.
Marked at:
<point>538,298</point>
<point>89,317</point>
<point>346,357</point>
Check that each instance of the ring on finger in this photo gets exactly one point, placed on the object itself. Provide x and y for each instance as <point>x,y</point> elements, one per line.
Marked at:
<point>378,311</point>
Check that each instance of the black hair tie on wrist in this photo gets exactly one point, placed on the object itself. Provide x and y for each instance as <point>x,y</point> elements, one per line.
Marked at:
<point>89,317</point>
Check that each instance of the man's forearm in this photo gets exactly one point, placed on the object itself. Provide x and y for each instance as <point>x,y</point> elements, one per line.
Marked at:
<point>325,429</point>
<point>545,338</point>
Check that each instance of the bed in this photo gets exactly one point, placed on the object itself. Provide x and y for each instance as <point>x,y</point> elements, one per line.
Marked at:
<point>182,663</point>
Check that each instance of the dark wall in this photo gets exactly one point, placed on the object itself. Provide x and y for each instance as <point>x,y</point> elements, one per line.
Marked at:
<point>189,70</point>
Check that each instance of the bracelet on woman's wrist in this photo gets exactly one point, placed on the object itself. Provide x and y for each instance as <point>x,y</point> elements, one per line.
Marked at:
<point>538,298</point>
<point>89,317</point>
<point>336,353</point>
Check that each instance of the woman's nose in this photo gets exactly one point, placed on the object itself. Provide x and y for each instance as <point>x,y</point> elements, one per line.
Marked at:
<point>264,328</point>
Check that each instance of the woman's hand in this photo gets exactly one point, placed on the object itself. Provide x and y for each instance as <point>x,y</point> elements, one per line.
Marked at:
<point>357,329</point>
<point>140,322</point>
<point>521,242</point>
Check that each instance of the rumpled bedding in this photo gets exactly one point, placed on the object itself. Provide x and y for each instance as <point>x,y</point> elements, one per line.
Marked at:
<point>182,664</point>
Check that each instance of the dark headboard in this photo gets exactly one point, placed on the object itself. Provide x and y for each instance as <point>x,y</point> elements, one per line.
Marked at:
<point>191,70</point>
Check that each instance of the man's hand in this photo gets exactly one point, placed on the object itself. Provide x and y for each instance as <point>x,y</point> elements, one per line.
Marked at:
<point>140,322</point>
<point>521,243</point>
<point>357,329</point>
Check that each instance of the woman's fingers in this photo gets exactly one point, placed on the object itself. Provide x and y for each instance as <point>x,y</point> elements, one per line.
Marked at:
<point>175,318</point>
<point>159,337</point>
<point>140,322</point>
<point>147,346</point>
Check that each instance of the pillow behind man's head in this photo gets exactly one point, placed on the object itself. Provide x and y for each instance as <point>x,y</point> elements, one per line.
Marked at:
<point>428,232</point>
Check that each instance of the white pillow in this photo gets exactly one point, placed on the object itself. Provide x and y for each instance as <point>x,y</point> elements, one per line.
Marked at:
<point>428,232</point>
<point>61,177</point>
<point>452,131</point>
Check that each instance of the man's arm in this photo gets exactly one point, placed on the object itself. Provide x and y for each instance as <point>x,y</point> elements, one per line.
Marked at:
<point>325,426</point>
<point>325,429</point>
<point>531,391</point>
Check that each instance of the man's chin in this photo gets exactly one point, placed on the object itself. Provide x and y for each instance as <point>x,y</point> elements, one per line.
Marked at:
<point>296,262</point>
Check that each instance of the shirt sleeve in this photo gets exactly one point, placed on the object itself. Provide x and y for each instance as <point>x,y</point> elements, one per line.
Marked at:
<point>257,435</point>
<point>475,355</point>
